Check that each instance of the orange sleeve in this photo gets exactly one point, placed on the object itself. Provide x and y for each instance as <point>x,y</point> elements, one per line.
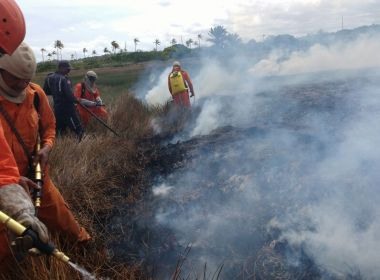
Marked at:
<point>96,94</point>
<point>78,90</point>
<point>186,77</point>
<point>9,173</point>
<point>47,119</point>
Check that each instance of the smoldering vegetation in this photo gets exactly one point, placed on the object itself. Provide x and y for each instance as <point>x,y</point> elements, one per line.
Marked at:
<point>277,179</point>
<point>271,177</point>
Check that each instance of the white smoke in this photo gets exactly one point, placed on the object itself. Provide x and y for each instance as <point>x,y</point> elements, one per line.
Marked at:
<point>325,199</point>
<point>208,119</point>
<point>347,222</point>
<point>362,53</point>
<point>212,79</point>
<point>159,94</point>
<point>161,190</point>
<point>241,84</point>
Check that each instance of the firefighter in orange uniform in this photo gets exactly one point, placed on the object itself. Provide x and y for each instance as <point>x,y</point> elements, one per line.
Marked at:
<point>14,200</point>
<point>25,113</point>
<point>88,95</point>
<point>179,84</point>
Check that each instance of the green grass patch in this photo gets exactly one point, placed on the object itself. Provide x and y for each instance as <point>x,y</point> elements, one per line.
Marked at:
<point>112,81</point>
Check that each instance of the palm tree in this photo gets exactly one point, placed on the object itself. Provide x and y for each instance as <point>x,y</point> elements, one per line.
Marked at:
<point>56,48</point>
<point>189,43</point>
<point>136,41</point>
<point>93,52</point>
<point>54,53</point>
<point>173,42</point>
<point>84,52</point>
<point>58,45</point>
<point>42,52</point>
<point>218,36</point>
<point>157,43</point>
<point>199,40</point>
<point>72,56</point>
<point>106,50</point>
<point>49,55</point>
<point>115,46</point>
<point>233,39</point>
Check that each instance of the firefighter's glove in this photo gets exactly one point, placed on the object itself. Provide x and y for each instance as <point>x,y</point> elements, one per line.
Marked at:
<point>99,101</point>
<point>16,203</point>
<point>23,246</point>
<point>87,103</point>
<point>28,185</point>
<point>42,156</point>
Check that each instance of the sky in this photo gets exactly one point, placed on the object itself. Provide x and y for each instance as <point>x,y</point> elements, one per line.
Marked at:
<point>95,24</point>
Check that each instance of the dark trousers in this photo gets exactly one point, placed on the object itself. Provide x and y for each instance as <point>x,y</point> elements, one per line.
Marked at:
<point>68,118</point>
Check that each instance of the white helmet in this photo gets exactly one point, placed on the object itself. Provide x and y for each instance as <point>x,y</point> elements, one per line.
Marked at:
<point>176,63</point>
<point>91,74</point>
<point>22,63</point>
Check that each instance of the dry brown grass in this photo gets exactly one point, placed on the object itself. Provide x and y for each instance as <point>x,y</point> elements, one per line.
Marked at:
<point>92,176</point>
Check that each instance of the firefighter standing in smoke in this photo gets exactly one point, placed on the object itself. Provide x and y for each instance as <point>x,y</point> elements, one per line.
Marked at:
<point>24,113</point>
<point>59,86</point>
<point>14,200</point>
<point>179,84</point>
<point>88,95</point>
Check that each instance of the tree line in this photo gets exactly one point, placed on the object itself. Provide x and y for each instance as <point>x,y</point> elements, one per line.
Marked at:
<point>218,36</point>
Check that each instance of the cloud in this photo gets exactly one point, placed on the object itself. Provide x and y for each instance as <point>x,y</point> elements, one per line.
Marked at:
<point>164,3</point>
<point>251,19</point>
<point>124,20</point>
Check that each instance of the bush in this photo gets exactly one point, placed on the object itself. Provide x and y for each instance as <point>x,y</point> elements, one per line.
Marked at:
<point>176,51</point>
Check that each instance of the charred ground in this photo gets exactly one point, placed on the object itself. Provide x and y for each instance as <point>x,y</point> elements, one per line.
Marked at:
<point>147,197</point>
<point>193,177</point>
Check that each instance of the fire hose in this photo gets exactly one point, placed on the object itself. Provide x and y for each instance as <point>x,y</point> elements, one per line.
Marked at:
<point>98,119</point>
<point>20,230</point>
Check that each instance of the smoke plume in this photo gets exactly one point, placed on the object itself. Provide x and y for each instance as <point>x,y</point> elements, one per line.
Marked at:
<point>280,151</point>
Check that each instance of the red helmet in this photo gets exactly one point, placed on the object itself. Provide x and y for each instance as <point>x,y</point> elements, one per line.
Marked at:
<point>12,26</point>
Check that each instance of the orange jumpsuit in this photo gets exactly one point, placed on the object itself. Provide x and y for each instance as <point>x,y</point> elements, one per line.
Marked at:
<point>8,168</point>
<point>54,212</point>
<point>98,110</point>
<point>8,175</point>
<point>182,98</point>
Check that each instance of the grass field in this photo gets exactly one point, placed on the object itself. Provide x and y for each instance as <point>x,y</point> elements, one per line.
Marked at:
<point>112,81</point>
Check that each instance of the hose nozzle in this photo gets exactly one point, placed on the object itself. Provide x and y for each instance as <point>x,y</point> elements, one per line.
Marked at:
<point>38,178</point>
<point>61,256</point>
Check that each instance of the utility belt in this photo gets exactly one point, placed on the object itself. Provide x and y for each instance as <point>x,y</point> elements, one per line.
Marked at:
<point>182,91</point>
